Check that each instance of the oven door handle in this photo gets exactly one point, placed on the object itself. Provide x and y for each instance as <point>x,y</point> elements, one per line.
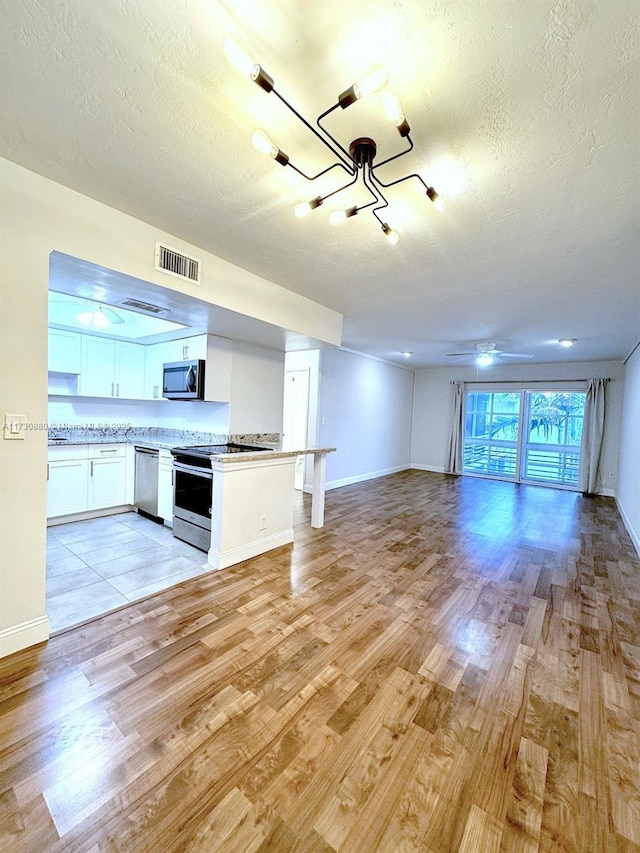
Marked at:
<point>194,469</point>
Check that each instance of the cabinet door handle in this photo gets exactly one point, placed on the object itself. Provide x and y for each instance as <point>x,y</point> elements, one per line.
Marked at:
<point>171,474</point>
<point>112,394</point>
<point>48,474</point>
<point>92,468</point>
<point>155,392</point>
<point>117,389</point>
<point>108,451</point>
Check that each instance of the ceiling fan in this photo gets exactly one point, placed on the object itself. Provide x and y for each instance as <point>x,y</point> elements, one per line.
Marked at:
<point>485,354</point>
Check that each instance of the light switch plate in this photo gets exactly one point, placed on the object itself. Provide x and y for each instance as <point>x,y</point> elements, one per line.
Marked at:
<point>14,427</point>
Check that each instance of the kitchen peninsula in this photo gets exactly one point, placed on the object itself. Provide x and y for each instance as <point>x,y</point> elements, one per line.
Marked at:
<point>252,493</point>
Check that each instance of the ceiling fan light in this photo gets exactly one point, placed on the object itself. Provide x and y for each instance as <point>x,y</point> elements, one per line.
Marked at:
<point>567,342</point>
<point>100,320</point>
<point>484,359</point>
<point>85,317</point>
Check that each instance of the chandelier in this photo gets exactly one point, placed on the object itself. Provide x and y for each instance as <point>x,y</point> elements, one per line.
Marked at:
<point>357,162</point>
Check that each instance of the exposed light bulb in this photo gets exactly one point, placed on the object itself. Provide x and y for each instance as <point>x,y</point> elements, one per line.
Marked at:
<point>238,55</point>
<point>336,217</point>
<point>393,108</point>
<point>262,143</point>
<point>407,353</point>
<point>372,82</point>
<point>392,236</point>
<point>567,342</point>
<point>304,208</point>
<point>439,203</point>
<point>484,359</point>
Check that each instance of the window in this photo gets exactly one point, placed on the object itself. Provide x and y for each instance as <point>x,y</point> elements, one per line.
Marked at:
<point>524,436</point>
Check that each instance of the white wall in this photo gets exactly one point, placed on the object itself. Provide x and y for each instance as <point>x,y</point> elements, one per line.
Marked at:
<point>365,411</point>
<point>628,491</point>
<point>40,216</point>
<point>432,406</point>
<point>257,389</point>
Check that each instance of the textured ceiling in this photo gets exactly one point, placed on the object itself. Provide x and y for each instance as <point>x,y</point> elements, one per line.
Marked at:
<point>524,113</point>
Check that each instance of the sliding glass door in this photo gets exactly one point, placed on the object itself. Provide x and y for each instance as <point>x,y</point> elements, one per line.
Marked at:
<point>524,436</point>
<point>492,427</point>
<point>551,446</point>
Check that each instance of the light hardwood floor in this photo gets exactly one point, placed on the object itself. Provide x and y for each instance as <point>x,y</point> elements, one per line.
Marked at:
<point>451,664</point>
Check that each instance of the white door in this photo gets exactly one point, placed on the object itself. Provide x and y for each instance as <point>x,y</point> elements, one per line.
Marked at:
<point>295,417</point>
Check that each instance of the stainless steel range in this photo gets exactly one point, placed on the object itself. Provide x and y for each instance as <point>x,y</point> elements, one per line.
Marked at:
<point>193,490</point>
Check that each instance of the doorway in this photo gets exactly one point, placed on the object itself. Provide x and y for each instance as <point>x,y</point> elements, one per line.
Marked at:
<point>295,417</point>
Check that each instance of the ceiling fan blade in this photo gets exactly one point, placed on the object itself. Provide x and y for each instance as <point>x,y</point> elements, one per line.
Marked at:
<point>515,355</point>
<point>461,353</point>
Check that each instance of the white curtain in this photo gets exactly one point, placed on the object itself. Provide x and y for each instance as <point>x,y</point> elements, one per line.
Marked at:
<point>592,433</point>
<point>456,435</point>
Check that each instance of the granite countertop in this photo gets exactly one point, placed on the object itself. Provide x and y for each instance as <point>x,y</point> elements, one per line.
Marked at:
<point>265,443</point>
<point>271,449</point>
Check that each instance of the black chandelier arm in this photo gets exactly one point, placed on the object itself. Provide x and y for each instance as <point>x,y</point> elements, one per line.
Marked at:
<point>395,156</point>
<point>377,194</point>
<point>339,190</point>
<point>323,172</point>
<point>347,164</point>
<point>324,129</point>
<point>400,180</point>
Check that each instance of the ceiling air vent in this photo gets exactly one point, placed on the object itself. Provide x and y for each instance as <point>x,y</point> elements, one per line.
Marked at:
<point>175,263</point>
<point>147,307</point>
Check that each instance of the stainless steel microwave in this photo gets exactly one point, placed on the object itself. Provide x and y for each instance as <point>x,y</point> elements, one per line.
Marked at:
<point>183,380</point>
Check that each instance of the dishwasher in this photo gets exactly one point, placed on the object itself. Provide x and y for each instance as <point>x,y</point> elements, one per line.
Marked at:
<point>145,494</point>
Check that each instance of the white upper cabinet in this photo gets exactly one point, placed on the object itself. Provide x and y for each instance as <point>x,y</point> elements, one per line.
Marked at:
<point>65,351</point>
<point>111,369</point>
<point>129,371</point>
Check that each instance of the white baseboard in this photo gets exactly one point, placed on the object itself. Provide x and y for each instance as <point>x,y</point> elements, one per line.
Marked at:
<point>436,469</point>
<point>92,513</point>
<point>633,533</point>
<point>224,559</point>
<point>607,493</point>
<point>361,478</point>
<point>24,635</point>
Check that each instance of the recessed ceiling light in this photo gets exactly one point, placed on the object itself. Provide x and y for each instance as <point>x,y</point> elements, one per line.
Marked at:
<point>567,342</point>
<point>406,354</point>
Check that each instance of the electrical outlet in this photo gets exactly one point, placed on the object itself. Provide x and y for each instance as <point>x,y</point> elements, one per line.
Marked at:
<point>263,522</point>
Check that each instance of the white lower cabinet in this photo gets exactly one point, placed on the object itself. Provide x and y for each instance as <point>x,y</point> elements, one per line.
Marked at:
<point>165,485</point>
<point>66,487</point>
<point>107,477</point>
<point>85,477</point>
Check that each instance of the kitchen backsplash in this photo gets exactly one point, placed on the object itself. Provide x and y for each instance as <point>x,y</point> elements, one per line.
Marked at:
<point>165,414</point>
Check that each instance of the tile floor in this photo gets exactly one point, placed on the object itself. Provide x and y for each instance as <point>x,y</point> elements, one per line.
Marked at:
<point>96,565</point>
